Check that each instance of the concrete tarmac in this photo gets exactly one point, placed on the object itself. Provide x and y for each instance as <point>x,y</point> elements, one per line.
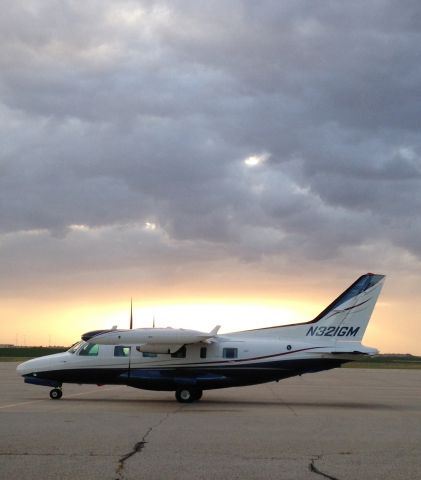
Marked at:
<point>341,424</point>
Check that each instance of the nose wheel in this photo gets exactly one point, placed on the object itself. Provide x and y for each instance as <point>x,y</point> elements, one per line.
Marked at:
<point>56,394</point>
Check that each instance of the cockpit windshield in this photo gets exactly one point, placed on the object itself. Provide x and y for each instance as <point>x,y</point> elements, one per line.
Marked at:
<point>75,346</point>
<point>89,349</point>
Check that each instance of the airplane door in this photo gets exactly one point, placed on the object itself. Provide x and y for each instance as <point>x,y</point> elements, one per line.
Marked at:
<point>122,356</point>
<point>137,358</point>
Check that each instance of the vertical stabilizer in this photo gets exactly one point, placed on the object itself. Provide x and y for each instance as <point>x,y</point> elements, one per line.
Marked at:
<point>347,317</point>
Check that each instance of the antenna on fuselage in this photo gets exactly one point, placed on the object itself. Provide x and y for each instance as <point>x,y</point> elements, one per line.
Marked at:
<point>131,314</point>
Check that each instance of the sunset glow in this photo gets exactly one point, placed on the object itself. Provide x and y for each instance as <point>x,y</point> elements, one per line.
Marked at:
<point>62,323</point>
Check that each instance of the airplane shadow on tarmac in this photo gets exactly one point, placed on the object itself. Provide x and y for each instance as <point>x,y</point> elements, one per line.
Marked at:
<point>239,403</point>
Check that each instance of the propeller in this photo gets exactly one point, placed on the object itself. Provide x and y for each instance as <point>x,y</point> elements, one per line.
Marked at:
<point>131,314</point>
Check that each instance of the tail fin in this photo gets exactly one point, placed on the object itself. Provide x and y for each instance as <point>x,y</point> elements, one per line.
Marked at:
<point>347,317</point>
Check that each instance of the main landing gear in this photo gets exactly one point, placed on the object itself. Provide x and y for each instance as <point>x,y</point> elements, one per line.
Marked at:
<point>56,394</point>
<point>188,395</point>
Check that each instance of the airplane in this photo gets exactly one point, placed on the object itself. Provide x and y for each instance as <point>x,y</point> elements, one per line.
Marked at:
<point>190,361</point>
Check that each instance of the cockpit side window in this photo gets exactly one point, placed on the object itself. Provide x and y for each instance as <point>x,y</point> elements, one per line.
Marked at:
<point>89,349</point>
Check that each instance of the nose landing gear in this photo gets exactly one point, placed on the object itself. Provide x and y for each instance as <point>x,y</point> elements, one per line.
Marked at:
<point>56,394</point>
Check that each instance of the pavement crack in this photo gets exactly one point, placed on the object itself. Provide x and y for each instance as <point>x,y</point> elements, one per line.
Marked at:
<point>139,446</point>
<point>314,469</point>
<point>281,400</point>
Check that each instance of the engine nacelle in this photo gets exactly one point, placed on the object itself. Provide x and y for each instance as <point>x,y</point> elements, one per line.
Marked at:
<point>158,348</point>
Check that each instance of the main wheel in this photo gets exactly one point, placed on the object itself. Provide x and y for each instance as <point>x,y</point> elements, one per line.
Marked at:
<point>185,395</point>
<point>56,394</point>
<point>197,395</point>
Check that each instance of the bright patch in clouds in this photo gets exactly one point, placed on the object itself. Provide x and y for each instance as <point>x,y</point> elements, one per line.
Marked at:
<point>407,153</point>
<point>127,16</point>
<point>150,226</point>
<point>79,228</point>
<point>255,160</point>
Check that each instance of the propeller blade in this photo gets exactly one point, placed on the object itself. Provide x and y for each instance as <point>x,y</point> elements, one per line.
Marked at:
<point>131,314</point>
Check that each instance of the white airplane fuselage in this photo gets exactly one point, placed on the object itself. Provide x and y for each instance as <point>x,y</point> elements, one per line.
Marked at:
<point>224,363</point>
<point>188,362</point>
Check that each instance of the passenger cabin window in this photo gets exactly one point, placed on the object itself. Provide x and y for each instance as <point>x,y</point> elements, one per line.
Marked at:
<point>149,355</point>
<point>230,352</point>
<point>203,351</point>
<point>90,349</point>
<point>180,353</point>
<point>120,351</point>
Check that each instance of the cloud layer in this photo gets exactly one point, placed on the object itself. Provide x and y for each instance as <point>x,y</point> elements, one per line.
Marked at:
<point>126,129</point>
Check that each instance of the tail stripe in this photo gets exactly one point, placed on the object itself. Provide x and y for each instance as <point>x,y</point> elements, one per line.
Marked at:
<point>361,285</point>
<point>335,312</point>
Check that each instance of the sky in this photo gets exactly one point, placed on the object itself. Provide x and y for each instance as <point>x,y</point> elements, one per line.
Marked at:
<point>237,163</point>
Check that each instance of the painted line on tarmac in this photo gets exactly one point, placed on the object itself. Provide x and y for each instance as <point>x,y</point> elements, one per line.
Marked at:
<point>21,403</point>
<point>11,405</point>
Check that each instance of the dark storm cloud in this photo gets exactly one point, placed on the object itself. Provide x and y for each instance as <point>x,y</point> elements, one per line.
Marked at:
<point>117,116</point>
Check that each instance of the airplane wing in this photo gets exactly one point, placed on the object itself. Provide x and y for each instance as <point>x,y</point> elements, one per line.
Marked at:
<point>153,340</point>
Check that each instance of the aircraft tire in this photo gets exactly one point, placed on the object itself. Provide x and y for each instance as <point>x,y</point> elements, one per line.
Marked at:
<point>198,395</point>
<point>185,395</point>
<point>56,394</point>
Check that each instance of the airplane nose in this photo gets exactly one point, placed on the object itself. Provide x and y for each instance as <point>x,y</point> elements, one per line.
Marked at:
<point>31,366</point>
<point>37,365</point>
<point>21,368</point>
<point>25,367</point>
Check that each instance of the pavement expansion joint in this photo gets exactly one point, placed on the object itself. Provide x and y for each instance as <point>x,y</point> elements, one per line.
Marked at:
<point>315,470</point>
